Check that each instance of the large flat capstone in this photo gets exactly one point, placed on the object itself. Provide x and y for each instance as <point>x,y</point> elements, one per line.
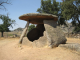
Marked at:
<point>37,18</point>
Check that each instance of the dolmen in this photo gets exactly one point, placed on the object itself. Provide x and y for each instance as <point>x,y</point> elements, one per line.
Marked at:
<point>47,23</point>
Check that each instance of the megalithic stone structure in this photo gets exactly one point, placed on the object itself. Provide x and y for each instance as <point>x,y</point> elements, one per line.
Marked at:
<point>54,34</point>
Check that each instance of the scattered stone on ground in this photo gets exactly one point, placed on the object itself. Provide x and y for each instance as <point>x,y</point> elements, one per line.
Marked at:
<point>72,46</point>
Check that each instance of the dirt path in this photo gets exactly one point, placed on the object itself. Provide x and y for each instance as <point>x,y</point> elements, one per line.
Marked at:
<point>10,50</point>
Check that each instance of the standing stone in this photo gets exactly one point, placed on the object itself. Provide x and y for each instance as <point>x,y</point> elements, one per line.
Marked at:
<point>41,28</point>
<point>54,34</point>
<point>24,33</point>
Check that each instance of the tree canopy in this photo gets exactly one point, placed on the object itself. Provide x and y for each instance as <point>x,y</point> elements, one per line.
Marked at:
<point>71,10</point>
<point>7,22</point>
<point>49,6</point>
<point>52,7</point>
<point>66,10</point>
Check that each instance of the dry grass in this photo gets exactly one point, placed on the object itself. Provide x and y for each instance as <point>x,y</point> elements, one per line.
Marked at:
<point>8,34</point>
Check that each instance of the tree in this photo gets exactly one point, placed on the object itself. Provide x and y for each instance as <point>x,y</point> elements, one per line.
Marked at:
<point>66,10</point>
<point>2,2</point>
<point>31,27</point>
<point>71,10</point>
<point>7,22</point>
<point>52,7</point>
<point>49,6</point>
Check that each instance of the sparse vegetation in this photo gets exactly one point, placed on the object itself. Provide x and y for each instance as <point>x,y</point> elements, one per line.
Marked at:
<point>7,22</point>
<point>31,27</point>
<point>19,29</point>
<point>10,35</point>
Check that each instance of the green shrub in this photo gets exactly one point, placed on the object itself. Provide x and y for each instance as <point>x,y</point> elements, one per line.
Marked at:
<point>31,27</point>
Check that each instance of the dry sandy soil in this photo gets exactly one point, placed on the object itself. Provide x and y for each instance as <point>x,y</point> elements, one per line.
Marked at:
<point>10,50</point>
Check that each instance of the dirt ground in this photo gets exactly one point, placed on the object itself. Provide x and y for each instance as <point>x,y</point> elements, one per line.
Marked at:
<point>11,50</point>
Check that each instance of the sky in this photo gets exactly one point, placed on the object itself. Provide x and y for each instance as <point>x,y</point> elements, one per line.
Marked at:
<point>18,8</point>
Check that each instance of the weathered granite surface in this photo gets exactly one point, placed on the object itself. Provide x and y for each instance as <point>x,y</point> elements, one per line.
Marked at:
<point>54,34</point>
<point>41,42</point>
<point>72,46</point>
<point>37,18</point>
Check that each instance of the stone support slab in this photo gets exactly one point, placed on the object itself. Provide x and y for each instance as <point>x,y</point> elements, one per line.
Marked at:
<point>54,34</point>
<point>24,32</point>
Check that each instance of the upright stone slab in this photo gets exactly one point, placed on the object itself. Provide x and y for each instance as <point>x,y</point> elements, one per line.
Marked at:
<point>54,34</point>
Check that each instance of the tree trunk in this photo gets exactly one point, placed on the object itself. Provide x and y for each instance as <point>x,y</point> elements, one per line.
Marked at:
<point>2,34</point>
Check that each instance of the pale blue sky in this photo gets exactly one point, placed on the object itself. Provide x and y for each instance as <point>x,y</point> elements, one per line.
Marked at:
<point>20,7</point>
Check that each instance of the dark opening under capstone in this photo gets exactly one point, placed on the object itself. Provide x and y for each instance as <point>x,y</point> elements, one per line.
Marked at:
<point>36,33</point>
